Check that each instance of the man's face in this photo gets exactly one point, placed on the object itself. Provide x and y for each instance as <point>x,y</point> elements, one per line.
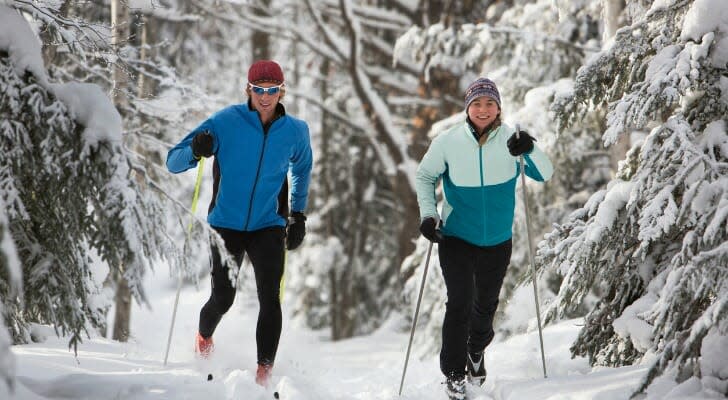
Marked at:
<point>483,111</point>
<point>264,95</point>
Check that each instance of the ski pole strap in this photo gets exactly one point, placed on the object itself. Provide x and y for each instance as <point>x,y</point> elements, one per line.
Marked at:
<point>196,194</point>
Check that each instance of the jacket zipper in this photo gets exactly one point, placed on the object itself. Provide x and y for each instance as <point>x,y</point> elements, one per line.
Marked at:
<point>482,189</point>
<point>255,183</point>
<point>257,172</point>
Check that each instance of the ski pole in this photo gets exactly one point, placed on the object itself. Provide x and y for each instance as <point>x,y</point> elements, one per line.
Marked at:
<point>414,322</point>
<point>189,233</point>
<point>530,253</point>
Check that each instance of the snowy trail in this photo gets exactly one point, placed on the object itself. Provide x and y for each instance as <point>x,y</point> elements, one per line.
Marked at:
<point>309,366</point>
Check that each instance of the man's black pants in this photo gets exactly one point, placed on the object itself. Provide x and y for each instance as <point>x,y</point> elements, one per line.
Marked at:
<point>473,277</point>
<point>265,248</point>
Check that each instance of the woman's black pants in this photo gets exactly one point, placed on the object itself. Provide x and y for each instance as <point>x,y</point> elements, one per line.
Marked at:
<point>265,248</point>
<point>473,277</point>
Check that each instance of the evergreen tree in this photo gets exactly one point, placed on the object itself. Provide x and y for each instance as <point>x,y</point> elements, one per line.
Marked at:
<point>67,184</point>
<point>130,60</point>
<point>10,282</point>
<point>653,244</point>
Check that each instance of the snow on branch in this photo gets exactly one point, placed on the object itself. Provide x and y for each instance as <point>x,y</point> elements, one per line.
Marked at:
<point>70,180</point>
<point>440,46</point>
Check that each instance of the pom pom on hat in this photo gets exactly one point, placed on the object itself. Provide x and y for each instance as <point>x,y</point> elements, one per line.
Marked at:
<point>482,87</point>
<point>265,71</point>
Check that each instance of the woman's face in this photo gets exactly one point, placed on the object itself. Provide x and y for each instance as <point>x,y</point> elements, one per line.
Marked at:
<point>483,111</point>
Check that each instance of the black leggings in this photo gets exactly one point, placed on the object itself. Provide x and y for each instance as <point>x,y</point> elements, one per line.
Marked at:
<point>265,249</point>
<point>473,277</point>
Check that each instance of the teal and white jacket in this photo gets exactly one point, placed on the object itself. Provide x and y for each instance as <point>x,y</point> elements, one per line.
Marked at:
<point>479,183</point>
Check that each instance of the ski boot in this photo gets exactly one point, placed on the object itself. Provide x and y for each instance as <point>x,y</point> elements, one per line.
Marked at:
<point>203,346</point>
<point>455,387</point>
<point>475,368</point>
<point>263,374</point>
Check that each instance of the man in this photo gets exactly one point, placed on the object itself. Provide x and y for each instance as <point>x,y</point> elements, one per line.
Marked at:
<point>478,163</point>
<point>254,146</point>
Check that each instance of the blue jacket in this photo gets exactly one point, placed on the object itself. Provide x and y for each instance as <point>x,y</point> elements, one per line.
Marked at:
<point>479,183</point>
<point>252,166</point>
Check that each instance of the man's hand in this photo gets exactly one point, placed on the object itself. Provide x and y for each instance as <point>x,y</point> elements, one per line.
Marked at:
<point>202,145</point>
<point>296,230</point>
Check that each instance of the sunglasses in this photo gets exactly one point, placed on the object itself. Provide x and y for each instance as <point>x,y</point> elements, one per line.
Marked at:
<point>273,90</point>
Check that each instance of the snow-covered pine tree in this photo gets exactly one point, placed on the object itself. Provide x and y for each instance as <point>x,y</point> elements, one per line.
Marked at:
<point>10,268</point>
<point>654,242</point>
<point>67,184</point>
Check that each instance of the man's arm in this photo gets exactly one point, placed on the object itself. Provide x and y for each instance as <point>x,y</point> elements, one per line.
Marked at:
<point>180,157</point>
<point>301,165</point>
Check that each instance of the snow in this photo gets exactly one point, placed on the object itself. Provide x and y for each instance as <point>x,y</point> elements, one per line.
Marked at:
<point>8,250</point>
<point>631,325</point>
<point>144,5</point>
<point>312,367</point>
<point>704,16</point>
<point>714,352</point>
<point>616,198</point>
<point>309,365</point>
<point>715,137</point>
<point>719,57</point>
<point>86,102</point>
<point>660,66</point>
<point>90,106</point>
<point>659,215</point>
<point>23,46</point>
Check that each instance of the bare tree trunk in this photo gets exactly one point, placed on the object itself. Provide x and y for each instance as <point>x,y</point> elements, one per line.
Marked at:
<point>144,88</point>
<point>119,35</point>
<point>260,39</point>
<point>123,311</point>
<point>611,10</point>
<point>349,299</point>
<point>400,182</point>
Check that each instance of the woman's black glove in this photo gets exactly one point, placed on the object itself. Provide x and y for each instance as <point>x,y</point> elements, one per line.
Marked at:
<point>428,228</point>
<point>522,145</point>
<point>296,230</point>
<point>202,145</point>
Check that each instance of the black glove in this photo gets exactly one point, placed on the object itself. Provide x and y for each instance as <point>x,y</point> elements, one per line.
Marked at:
<point>522,145</point>
<point>202,145</point>
<point>429,230</point>
<point>296,230</point>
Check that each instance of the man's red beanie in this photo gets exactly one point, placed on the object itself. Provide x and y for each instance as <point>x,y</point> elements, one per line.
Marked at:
<point>265,71</point>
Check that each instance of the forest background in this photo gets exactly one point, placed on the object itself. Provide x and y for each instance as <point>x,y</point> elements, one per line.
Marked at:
<point>629,99</point>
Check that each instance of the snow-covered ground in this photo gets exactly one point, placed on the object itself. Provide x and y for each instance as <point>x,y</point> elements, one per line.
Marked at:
<point>308,367</point>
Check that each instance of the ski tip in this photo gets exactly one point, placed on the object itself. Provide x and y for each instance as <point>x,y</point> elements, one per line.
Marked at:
<point>209,377</point>
<point>276,396</point>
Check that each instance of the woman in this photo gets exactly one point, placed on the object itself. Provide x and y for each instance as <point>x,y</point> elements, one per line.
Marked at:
<point>478,163</point>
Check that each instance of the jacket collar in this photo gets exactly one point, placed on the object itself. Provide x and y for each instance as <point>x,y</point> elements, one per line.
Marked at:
<point>489,132</point>
<point>279,112</point>
<point>251,114</point>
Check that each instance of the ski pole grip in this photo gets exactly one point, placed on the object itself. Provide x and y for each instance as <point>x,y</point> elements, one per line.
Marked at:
<point>518,131</point>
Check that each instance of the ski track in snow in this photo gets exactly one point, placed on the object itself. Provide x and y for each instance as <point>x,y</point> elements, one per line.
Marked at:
<point>308,367</point>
